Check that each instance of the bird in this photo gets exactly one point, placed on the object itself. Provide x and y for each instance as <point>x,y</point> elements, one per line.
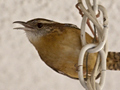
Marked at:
<point>59,45</point>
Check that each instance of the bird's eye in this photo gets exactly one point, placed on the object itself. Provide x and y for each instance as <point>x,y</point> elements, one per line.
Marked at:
<point>39,25</point>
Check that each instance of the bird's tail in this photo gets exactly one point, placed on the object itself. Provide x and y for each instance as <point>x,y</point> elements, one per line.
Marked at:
<point>113,61</point>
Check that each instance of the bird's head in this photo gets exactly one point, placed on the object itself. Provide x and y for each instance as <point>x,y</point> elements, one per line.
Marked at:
<point>37,28</point>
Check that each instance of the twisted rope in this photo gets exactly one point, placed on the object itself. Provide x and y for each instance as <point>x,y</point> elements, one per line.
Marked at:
<point>101,47</point>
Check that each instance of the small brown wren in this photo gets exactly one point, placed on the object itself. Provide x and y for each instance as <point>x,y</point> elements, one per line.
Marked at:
<point>59,45</point>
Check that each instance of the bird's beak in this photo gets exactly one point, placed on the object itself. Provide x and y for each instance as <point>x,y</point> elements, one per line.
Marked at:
<point>22,23</point>
<point>26,26</point>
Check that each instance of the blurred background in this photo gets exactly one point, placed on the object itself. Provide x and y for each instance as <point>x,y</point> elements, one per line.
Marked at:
<point>20,65</point>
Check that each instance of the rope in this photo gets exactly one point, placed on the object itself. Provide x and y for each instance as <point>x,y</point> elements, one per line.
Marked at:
<point>100,47</point>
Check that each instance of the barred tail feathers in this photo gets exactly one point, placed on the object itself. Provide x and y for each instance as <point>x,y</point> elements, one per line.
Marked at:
<point>113,61</point>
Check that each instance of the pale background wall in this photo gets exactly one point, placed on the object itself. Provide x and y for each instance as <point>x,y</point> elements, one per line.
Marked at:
<point>20,65</point>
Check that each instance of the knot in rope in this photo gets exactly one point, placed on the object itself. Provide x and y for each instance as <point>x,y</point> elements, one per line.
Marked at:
<point>100,34</point>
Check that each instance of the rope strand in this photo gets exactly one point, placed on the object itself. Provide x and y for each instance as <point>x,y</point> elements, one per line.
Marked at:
<point>101,47</point>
